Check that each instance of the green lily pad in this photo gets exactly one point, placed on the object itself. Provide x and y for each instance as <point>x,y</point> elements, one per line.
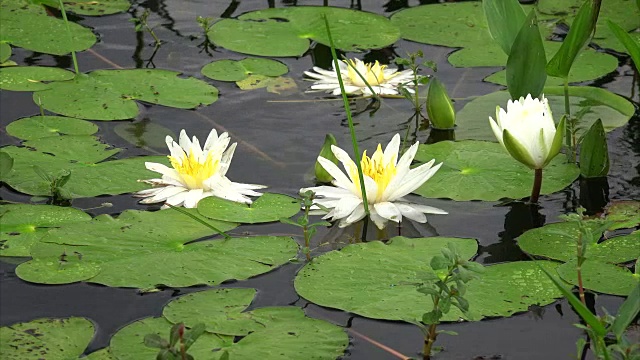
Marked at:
<point>381,281</point>
<point>601,277</point>
<point>102,354</point>
<point>23,225</point>
<point>28,27</point>
<point>128,342</point>
<point>614,110</point>
<point>83,157</point>
<point>622,12</point>
<point>589,65</point>
<point>5,52</point>
<point>276,85</point>
<point>481,170</point>
<point>37,127</point>
<point>221,310</point>
<point>268,207</point>
<point>91,8</point>
<point>146,249</point>
<point>558,241</point>
<point>287,31</point>
<point>6,165</point>
<point>144,134</point>
<point>31,78</point>
<point>270,333</point>
<point>232,70</point>
<point>110,94</point>
<point>624,214</point>
<point>46,338</point>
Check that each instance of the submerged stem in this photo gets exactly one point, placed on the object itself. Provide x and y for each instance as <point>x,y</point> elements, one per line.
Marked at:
<point>431,335</point>
<point>537,185</point>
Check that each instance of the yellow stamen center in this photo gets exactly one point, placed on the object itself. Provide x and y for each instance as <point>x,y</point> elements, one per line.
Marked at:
<point>193,172</point>
<point>373,74</point>
<point>375,168</point>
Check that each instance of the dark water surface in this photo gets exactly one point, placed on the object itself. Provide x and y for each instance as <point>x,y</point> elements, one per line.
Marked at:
<point>279,138</point>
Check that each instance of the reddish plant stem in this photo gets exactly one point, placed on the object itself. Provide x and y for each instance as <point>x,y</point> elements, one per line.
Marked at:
<point>579,270</point>
<point>537,185</point>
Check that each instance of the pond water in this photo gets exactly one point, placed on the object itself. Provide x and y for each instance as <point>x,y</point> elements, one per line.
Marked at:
<point>279,136</point>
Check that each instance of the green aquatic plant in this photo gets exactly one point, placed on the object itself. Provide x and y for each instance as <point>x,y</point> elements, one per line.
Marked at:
<point>411,61</point>
<point>322,176</point>
<point>446,286</point>
<point>55,183</point>
<point>308,229</point>
<point>440,109</point>
<point>598,329</point>
<point>141,24</point>
<point>180,340</point>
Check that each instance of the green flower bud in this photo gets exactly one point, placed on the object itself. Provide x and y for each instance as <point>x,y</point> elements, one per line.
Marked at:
<point>439,106</point>
<point>322,175</point>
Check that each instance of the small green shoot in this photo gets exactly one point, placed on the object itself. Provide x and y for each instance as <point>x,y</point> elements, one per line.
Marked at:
<point>411,61</point>
<point>180,340</point>
<point>446,286</point>
<point>308,229</point>
<point>142,24</point>
<point>59,196</point>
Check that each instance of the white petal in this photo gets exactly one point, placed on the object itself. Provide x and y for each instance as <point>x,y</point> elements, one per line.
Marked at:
<point>340,179</point>
<point>377,219</point>
<point>211,139</point>
<point>428,209</point>
<point>413,180</point>
<point>162,169</point>
<point>391,151</point>
<point>192,198</point>
<point>357,214</point>
<point>388,211</point>
<point>410,212</point>
<point>345,207</point>
<point>184,142</point>
<point>177,199</point>
<point>163,194</point>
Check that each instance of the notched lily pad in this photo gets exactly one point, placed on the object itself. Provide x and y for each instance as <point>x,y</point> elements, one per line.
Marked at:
<point>46,338</point>
<point>37,127</point>
<point>22,24</point>
<point>111,94</point>
<point>268,207</point>
<point>91,8</point>
<point>146,249</point>
<point>24,224</point>
<point>31,78</point>
<point>5,52</point>
<point>287,31</point>
<point>601,277</point>
<point>382,281</point>
<point>232,70</point>
<point>624,214</point>
<point>481,170</point>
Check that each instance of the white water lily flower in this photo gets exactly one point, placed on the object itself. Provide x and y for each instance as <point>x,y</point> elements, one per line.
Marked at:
<point>197,173</point>
<point>383,80</point>
<point>527,131</point>
<point>386,180</point>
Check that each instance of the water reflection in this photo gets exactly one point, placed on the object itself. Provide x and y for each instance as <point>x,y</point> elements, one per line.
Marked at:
<point>594,194</point>
<point>520,218</point>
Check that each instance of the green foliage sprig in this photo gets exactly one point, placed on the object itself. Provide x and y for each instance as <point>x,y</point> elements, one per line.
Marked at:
<point>412,62</point>
<point>447,287</point>
<point>59,195</point>
<point>141,23</point>
<point>308,229</point>
<point>180,340</point>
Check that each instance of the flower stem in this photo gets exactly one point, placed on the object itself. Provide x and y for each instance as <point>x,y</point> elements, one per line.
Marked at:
<point>537,185</point>
<point>66,22</point>
<point>579,268</point>
<point>352,130</point>
<point>430,339</point>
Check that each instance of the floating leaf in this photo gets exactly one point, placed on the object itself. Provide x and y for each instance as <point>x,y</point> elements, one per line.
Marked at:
<point>622,12</point>
<point>5,52</point>
<point>271,332</point>
<point>23,225</point>
<point>128,342</point>
<point>232,70</point>
<point>558,241</point>
<point>36,127</point>
<point>624,214</point>
<point>6,165</point>
<point>80,156</point>
<point>102,354</point>
<point>31,78</point>
<point>146,249</point>
<point>110,94</point>
<point>23,26</point>
<point>600,276</point>
<point>287,31</point>
<point>614,110</point>
<point>277,85</point>
<point>46,338</point>
<point>480,170</point>
<point>221,310</point>
<point>268,207</point>
<point>382,281</point>
<point>91,8</point>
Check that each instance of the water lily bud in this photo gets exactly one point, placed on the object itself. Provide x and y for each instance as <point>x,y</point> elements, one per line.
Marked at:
<point>321,174</point>
<point>439,106</point>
